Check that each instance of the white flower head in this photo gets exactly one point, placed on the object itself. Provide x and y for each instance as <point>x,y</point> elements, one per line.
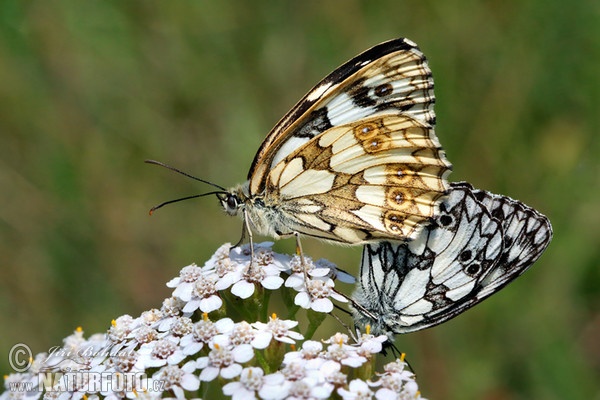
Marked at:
<point>184,283</point>
<point>253,381</point>
<point>345,354</point>
<point>151,317</point>
<point>171,306</point>
<point>145,334</point>
<point>177,379</point>
<point>310,388</point>
<point>203,332</point>
<point>159,353</point>
<point>123,361</point>
<point>277,329</point>
<point>397,382</point>
<point>396,386</point>
<point>370,344</point>
<point>316,295</point>
<point>171,309</point>
<point>244,333</point>
<point>119,330</point>
<point>264,269</point>
<point>204,295</point>
<point>311,354</point>
<point>224,359</point>
<point>357,390</point>
<point>300,271</point>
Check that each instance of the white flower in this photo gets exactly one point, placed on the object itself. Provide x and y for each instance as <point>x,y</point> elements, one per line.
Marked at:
<point>224,359</point>
<point>308,388</point>
<point>302,271</point>
<point>370,344</point>
<point>159,353</point>
<point>397,382</point>
<point>345,355</point>
<point>253,381</point>
<point>176,379</point>
<point>244,333</point>
<point>145,334</point>
<point>203,295</point>
<point>120,328</point>
<point>184,283</point>
<point>311,353</point>
<point>277,329</point>
<point>151,317</point>
<point>243,280</point>
<point>171,308</point>
<point>394,387</point>
<point>357,389</point>
<point>203,332</point>
<point>123,361</point>
<point>316,295</point>
<point>182,326</point>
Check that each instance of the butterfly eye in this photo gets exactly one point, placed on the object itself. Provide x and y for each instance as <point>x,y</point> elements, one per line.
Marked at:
<point>232,202</point>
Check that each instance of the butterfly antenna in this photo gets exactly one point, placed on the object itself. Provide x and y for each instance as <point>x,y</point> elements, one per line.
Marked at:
<point>184,174</point>
<point>182,199</point>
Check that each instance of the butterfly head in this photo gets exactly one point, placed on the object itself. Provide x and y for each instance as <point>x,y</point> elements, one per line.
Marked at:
<point>233,200</point>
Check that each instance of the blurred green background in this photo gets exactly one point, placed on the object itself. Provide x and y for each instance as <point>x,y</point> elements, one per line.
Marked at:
<point>89,89</point>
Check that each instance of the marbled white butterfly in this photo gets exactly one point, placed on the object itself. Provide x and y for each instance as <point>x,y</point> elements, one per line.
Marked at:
<point>356,160</point>
<point>477,243</point>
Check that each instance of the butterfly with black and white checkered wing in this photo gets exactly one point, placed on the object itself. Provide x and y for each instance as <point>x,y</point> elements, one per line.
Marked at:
<point>478,243</point>
<point>356,160</point>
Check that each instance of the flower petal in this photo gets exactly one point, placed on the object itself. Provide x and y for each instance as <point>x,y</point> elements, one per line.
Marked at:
<point>210,304</point>
<point>302,299</point>
<point>322,305</point>
<point>209,374</point>
<point>272,282</point>
<point>231,371</point>
<point>243,289</point>
<point>243,353</point>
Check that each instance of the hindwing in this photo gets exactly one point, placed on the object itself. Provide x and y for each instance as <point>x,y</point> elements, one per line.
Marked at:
<point>471,251</point>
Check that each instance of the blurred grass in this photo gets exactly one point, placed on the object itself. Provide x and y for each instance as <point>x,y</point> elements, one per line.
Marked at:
<point>91,89</point>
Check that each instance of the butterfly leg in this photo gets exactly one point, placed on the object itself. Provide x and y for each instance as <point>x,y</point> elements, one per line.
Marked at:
<point>299,251</point>
<point>246,230</point>
<point>303,263</point>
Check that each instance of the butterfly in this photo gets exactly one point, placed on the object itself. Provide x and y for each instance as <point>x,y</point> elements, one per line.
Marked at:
<point>476,244</point>
<point>356,160</point>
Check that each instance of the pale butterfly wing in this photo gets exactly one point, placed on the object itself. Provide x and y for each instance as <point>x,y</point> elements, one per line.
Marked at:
<point>377,178</point>
<point>362,136</point>
<point>453,264</point>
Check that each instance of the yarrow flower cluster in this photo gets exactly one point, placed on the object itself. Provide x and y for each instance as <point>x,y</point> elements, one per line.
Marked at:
<point>213,335</point>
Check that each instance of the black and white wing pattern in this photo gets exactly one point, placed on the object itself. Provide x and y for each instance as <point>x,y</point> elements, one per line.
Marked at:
<point>477,243</point>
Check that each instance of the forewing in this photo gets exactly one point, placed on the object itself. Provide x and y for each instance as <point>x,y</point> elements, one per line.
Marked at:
<point>392,77</point>
<point>434,277</point>
<point>379,178</point>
